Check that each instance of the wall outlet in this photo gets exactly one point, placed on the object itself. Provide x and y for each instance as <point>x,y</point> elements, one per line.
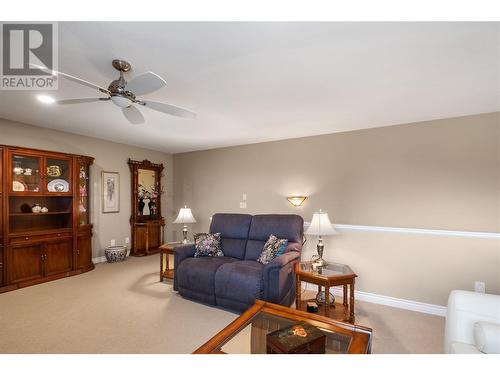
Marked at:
<point>127,240</point>
<point>112,242</point>
<point>479,287</point>
<point>243,204</point>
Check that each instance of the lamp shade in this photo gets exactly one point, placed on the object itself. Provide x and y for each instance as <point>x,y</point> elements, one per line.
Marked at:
<point>320,225</point>
<point>185,216</point>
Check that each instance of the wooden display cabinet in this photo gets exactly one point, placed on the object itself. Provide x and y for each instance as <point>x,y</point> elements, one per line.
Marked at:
<point>83,238</point>
<point>2,261</point>
<point>42,245</point>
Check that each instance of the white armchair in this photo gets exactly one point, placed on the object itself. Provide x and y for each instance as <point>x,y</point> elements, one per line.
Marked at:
<point>465,309</point>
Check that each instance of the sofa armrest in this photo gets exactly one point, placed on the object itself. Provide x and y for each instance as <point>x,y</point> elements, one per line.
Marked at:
<point>181,252</point>
<point>282,260</point>
<point>278,276</point>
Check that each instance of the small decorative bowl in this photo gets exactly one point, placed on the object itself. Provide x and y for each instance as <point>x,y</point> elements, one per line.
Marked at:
<point>115,253</point>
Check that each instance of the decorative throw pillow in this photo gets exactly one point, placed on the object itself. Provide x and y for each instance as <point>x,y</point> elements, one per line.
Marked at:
<point>208,245</point>
<point>273,248</point>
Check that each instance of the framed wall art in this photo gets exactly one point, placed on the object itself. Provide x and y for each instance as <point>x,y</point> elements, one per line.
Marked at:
<point>110,192</point>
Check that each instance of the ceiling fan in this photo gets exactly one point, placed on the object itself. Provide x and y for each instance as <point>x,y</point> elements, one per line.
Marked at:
<point>124,94</point>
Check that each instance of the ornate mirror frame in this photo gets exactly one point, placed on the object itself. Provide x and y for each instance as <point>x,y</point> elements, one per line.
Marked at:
<point>134,171</point>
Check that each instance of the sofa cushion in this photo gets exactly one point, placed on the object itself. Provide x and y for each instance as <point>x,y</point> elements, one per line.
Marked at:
<point>231,225</point>
<point>273,248</point>
<point>487,337</point>
<point>290,227</point>
<point>239,281</point>
<point>462,348</point>
<point>198,274</point>
<point>208,245</point>
<point>234,232</point>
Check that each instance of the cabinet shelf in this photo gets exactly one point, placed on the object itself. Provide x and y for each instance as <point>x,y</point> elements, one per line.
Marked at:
<point>36,194</point>
<point>40,231</point>
<point>40,213</point>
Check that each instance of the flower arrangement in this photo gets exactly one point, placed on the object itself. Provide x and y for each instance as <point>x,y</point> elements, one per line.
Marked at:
<point>150,193</point>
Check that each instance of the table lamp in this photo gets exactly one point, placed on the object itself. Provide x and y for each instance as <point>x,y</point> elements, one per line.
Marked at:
<point>320,226</point>
<point>185,217</point>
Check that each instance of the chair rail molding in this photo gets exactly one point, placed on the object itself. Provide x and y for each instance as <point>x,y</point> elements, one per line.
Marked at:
<point>432,232</point>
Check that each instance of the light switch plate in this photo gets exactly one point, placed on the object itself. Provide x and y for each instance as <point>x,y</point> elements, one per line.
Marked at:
<point>112,242</point>
<point>480,286</point>
<point>127,240</point>
<point>243,204</point>
<point>244,197</point>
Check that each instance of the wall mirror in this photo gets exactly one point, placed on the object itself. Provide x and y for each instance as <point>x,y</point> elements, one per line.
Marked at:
<point>147,192</point>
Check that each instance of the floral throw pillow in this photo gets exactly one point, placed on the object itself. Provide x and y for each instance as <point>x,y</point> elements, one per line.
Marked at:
<point>273,248</point>
<point>208,245</point>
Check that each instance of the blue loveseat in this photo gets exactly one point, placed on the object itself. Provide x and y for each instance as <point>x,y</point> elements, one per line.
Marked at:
<point>235,280</point>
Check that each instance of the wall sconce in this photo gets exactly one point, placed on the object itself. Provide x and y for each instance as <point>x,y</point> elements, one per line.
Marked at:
<point>296,201</point>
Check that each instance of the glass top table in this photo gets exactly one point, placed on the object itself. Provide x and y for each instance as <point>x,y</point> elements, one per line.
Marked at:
<point>329,270</point>
<point>248,333</point>
<point>325,277</point>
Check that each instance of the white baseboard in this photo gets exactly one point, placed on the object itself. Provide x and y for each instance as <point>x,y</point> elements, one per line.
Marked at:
<point>101,259</point>
<point>399,303</point>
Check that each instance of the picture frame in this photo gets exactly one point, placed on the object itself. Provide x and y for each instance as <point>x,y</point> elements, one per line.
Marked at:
<point>110,192</point>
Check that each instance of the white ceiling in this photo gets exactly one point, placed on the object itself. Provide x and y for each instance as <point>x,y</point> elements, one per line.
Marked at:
<point>256,82</point>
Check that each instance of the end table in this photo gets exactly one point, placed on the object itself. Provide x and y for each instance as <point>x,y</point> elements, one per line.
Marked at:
<point>332,274</point>
<point>167,249</point>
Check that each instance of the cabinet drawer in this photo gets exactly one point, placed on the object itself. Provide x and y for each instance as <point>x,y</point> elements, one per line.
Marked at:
<point>39,237</point>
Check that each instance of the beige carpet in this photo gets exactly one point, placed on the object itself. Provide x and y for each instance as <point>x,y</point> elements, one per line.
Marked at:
<point>123,308</point>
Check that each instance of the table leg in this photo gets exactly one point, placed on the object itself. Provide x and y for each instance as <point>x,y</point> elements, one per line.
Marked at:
<point>167,262</point>
<point>298,292</point>
<point>327,301</point>
<point>351,304</point>
<point>345,294</point>
<point>161,265</point>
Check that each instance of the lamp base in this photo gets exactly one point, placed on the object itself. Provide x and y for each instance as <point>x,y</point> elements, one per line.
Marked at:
<point>320,298</point>
<point>185,235</point>
<point>318,262</point>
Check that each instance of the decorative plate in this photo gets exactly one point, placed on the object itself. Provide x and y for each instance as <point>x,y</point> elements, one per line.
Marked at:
<point>18,186</point>
<point>53,171</point>
<point>58,186</point>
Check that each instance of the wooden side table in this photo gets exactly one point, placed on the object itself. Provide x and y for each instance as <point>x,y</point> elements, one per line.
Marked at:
<point>333,274</point>
<point>166,250</point>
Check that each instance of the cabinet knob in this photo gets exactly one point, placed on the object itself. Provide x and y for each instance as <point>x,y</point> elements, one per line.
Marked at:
<point>26,238</point>
<point>58,234</point>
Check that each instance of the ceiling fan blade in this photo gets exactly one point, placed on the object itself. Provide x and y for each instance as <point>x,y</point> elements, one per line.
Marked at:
<point>80,100</point>
<point>133,115</point>
<point>169,108</point>
<point>71,78</point>
<point>145,83</point>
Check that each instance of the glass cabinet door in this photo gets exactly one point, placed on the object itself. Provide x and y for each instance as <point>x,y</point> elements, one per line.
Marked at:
<point>25,173</point>
<point>83,187</point>
<point>57,175</point>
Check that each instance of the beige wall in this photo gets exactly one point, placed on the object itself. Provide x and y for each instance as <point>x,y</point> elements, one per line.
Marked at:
<point>441,174</point>
<point>108,156</point>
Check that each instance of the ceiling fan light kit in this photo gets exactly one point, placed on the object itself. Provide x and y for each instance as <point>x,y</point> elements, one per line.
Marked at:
<point>123,93</point>
<point>121,101</point>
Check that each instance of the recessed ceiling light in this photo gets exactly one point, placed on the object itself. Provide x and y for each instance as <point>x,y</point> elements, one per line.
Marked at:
<point>46,99</point>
